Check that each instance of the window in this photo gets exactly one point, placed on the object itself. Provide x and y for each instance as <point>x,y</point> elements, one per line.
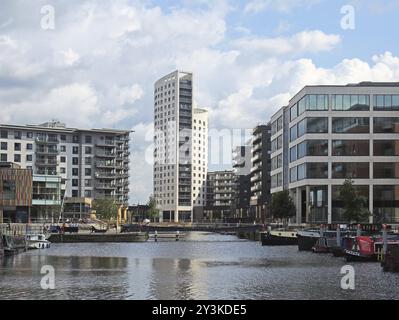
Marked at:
<point>386,148</point>
<point>386,125</point>
<point>87,193</point>
<point>29,146</point>
<point>75,193</point>
<point>293,154</point>
<point>17,158</point>
<point>277,162</point>
<point>75,183</point>
<point>17,135</point>
<point>349,148</point>
<point>29,158</point>
<point>88,139</point>
<point>75,161</point>
<point>351,125</point>
<point>386,170</point>
<point>317,125</point>
<point>88,150</point>
<point>75,139</point>
<point>87,172</point>
<point>17,146</point>
<point>386,102</point>
<point>62,170</point>
<point>351,102</point>
<point>75,150</point>
<point>4,146</point>
<point>351,170</point>
<point>313,103</point>
<point>63,137</point>
<point>301,172</point>
<point>280,123</point>
<point>63,148</point>
<point>293,174</point>
<point>317,170</point>
<point>277,144</point>
<point>301,150</point>
<point>294,112</point>
<point>29,135</point>
<point>88,161</point>
<point>4,134</point>
<point>3,157</point>
<point>9,190</point>
<point>63,159</point>
<point>88,183</point>
<point>75,171</point>
<point>293,133</point>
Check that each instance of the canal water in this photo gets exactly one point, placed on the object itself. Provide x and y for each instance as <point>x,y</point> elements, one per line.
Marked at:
<point>203,266</point>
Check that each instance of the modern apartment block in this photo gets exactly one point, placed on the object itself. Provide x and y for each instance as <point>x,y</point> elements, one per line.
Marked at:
<point>221,190</point>
<point>260,172</point>
<point>242,165</point>
<point>90,163</point>
<point>330,133</point>
<point>180,149</point>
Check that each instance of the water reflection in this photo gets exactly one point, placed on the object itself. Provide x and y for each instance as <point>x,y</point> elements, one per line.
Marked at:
<point>204,266</point>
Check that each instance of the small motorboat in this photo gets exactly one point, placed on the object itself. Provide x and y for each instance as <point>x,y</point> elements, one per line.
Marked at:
<point>37,241</point>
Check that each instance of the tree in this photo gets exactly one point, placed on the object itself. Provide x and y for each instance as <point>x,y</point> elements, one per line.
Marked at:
<point>282,206</point>
<point>355,206</point>
<point>153,212</point>
<point>106,208</point>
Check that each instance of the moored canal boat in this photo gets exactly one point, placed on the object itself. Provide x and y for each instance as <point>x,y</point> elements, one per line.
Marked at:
<point>14,244</point>
<point>307,239</point>
<point>279,238</point>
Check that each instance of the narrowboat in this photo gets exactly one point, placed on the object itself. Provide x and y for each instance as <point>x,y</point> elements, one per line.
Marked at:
<point>367,249</point>
<point>279,238</point>
<point>307,239</point>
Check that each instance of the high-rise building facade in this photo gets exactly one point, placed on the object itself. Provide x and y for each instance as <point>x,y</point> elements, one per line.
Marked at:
<point>180,149</point>
<point>260,172</point>
<point>331,133</point>
<point>90,163</point>
<point>242,169</point>
<point>220,198</point>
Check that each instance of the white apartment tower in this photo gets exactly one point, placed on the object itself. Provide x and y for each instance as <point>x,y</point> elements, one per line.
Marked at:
<point>180,149</point>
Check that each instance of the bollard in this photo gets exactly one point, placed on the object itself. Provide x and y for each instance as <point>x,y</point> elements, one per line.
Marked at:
<point>339,236</point>
<point>321,230</point>
<point>359,230</point>
<point>156,236</point>
<point>177,235</point>
<point>385,239</point>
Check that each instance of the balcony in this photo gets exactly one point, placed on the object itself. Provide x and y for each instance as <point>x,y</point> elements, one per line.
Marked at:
<point>104,154</point>
<point>256,177</point>
<point>104,186</point>
<point>105,175</point>
<point>256,168</point>
<point>257,157</point>
<point>46,163</point>
<point>47,140</point>
<point>100,164</point>
<point>106,143</point>
<point>47,151</point>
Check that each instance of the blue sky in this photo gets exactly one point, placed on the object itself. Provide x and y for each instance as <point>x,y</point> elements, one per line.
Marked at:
<point>97,67</point>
